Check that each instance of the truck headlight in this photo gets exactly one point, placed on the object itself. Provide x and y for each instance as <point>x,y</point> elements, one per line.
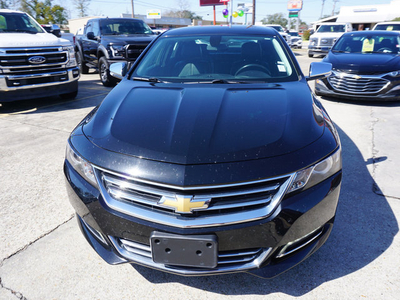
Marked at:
<point>317,173</point>
<point>117,50</point>
<point>80,165</point>
<point>71,56</point>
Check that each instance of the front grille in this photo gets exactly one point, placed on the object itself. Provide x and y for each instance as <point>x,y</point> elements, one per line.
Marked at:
<point>357,84</point>
<point>234,258</point>
<point>16,60</point>
<point>190,207</point>
<point>134,50</point>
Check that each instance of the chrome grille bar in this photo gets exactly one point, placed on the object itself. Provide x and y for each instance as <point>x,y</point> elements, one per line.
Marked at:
<point>357,84</point>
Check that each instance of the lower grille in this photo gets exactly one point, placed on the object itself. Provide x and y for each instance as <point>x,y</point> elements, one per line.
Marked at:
<point>357,84</point>
<point>239,260</point>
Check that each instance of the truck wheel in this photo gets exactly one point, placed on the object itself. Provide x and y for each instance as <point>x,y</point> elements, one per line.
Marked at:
<point>82,67</point>
<point>104,71</point>
<point>69,96</point>
<point>310,55</point>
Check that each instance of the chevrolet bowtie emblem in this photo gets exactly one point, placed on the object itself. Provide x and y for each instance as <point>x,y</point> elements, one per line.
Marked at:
<point>356,77</point>
<point>184,204</point>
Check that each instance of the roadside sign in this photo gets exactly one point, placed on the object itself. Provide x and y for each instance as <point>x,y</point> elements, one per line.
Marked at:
<point>154,14</point>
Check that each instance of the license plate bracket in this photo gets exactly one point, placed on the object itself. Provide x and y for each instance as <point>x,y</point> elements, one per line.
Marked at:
<point>184,250</point>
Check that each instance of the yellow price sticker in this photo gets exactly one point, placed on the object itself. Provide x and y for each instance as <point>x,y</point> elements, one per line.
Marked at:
<point>368,45</point>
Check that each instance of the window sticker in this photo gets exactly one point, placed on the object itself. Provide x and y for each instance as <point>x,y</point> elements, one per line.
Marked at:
<point>281,68</point>
<point>368,45</point>
<point>390,28</point>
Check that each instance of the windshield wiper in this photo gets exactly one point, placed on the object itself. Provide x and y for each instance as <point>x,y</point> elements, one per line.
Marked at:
<point>149,79</point>
<point>216,81</point>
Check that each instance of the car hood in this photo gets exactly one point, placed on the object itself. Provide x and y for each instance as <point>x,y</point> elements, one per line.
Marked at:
<point>208,123</point>
<point>363,62</point>
<point>128,39</point>
<point>22,39</point>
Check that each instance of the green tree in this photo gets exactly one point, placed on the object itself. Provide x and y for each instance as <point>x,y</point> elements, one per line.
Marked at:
<point>83,7</point>
<point>4,4</point>
<point>277,18</point>
<point>44,12</point>
<point>396,19</point>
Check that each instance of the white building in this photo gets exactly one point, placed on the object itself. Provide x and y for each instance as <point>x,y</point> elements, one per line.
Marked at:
<point>365,16</point>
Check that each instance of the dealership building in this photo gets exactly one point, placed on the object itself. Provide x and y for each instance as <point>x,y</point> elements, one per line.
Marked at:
<point>365,16</point>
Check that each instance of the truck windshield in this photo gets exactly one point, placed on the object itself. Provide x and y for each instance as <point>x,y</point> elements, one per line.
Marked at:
<point>331,28</point>
<point>17,22</point>
<point>110,27</point>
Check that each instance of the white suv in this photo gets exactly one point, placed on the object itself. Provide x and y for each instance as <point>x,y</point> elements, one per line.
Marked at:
<point>282,32</point>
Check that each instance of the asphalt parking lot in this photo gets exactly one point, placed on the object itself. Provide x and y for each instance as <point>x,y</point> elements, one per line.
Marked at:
<point>43,255</point>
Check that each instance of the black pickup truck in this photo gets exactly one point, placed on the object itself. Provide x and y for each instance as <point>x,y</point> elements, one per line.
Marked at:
<point>108,40</point>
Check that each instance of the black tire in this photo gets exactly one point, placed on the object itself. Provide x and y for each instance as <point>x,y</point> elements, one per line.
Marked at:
<point>104,72</point>
<point>84,69</point>
<point>310,55</point>
<point>69,96</point>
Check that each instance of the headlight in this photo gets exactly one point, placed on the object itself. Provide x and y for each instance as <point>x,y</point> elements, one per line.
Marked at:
<point>71,55</point>
<point>395,73</point>
<point>117,49</point>
<point>317,173</point>
<point>80,165</point>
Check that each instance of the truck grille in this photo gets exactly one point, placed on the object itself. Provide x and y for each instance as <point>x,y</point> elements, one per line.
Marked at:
<point>192,207</point>
<point>22,61</point>
<point>357,84</point>
<point>134,50</point>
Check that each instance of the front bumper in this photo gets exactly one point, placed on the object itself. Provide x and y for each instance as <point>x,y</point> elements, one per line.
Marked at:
<point>297,228</point>
<point>318,50</point>
<point>324,88</point>
<point>45,84</point>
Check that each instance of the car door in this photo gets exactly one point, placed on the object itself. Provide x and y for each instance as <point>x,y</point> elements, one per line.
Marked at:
<point>90,42</point>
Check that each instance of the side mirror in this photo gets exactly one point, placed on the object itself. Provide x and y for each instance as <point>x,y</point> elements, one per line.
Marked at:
<point>55,30</point>
<point>90,35</point>
<point>118,70</point>
<point>319,70</point>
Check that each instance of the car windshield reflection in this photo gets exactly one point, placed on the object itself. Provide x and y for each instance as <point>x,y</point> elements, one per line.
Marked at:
<point>217,59</point>
<point>372,43</point>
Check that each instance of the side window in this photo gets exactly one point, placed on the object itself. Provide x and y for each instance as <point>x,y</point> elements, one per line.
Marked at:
<point>3,24</point>
<point>96,29</point>
<point>88,27</point>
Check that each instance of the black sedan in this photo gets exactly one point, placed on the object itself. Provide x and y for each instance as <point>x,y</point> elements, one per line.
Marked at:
<point>210,156</point>
<point>366,66</point>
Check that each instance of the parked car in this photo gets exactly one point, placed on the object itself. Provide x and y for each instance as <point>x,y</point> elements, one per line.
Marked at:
<point>325,37</point>
<point>34,63</point>
<point>391,26</point>
<point>108,40</point>
<point>366,65</point>
<point>195,165</point>
<point>282,32</point>
<point>296,39</point>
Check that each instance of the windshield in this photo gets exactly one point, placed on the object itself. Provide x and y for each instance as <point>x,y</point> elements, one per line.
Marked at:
<point>294,34</point>
<point>218,58</point>
<point>390,27</point>
<point>17,22</point>
<point>331,28</point>
<point>117,27</point>
<point>369,43</point>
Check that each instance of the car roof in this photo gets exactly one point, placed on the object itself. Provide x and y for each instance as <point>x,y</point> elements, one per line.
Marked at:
<point>369,32</point>
<point>239,30</point>
<point>388,22</point>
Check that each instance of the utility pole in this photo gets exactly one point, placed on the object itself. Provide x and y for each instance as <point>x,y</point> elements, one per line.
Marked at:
<point>133,9</point>
<point>254,13</point>
<point>322,9</point>
<point>334,4</point>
